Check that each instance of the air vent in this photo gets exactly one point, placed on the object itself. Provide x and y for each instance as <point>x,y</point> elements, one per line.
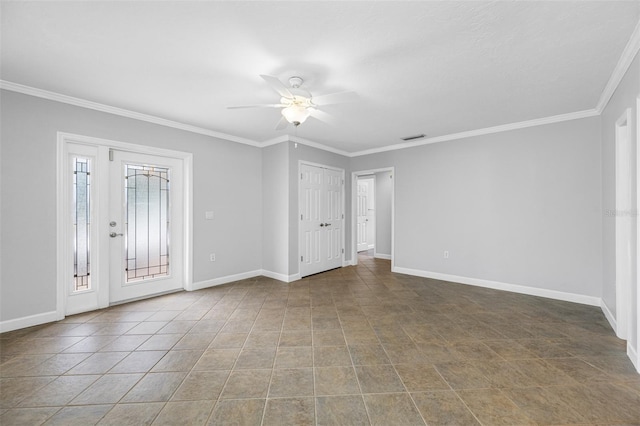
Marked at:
<point>410,138</point>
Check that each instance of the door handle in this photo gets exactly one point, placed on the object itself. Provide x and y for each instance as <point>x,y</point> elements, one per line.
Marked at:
<point>322,225</point>
<point>113,235</point>
<point>327,224</point>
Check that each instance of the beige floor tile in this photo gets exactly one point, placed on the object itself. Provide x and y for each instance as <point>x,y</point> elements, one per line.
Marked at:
<point>335,381</point>
<point>98,363</point>
<point>378,379</point>
<point>27,416</point>
<point>542,407</point>
<point>290,411</point>
<point>247,384</point>
<point>295,338</point>
<point>155,387</point>
<point>108,389</point>
<point>132,414</point>
<point>368,355</point>
<point>420,377</point>
<point>331,356</point>
<point>491,406</point>
<point>294,357</point>
<point>217,359</point>
<point>138,362</point>
<point>184,413</point>
<point>177,327</point>
<point>126,343</point>
<point>392,409</point>
<point>462,375</point>
<point>328,338</point>
<point>15,389</point>
<point>262,339</point>
<point>160,342</point>
<point>253,358</point>
<point>343,410</point>
<point>195,341</point>
<point>178,361</point>
<point>59,392</point>
<point>238,412</point>
<point>291,382</point>
<point>57,364</point>
<point>228,340</point>
<point>443,408</point>
<point>202,385</point>
<point>79,416</point>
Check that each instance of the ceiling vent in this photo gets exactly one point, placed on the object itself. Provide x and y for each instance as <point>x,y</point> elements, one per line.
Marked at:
<point>411,138</point>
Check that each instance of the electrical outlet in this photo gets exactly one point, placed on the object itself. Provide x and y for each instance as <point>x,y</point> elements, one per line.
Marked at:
<point>212,257</point>
<point>446,254</point>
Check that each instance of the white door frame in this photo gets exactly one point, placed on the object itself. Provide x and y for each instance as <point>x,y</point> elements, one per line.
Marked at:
<point>623,239</point>
<point>324,166</point>
<point>635,358</point>
<point>62,243</point>
<point>354,200</point>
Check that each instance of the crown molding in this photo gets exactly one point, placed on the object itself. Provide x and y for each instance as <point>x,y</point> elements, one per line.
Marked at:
<point>275,141</point>
<point>486,131</point>
<point>317,145</point>
<point>628,55</point>
<point>53,96</point>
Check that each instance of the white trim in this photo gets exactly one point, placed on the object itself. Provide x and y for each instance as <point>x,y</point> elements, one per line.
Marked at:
<point>280,277</point>
<point>53,96</point>
<point>348,263</point>
<point>623,205</point>
<point>307,142</point>
<point>354,218</point>
<point>382,256</point>
<point>29,321</point>
<point>485,131</point>
<point>224,280</point>
<point>636,360</point>
<point>608,315</point>
<point>628,55</point>
<point>633,356</point>
<point>496,285</point>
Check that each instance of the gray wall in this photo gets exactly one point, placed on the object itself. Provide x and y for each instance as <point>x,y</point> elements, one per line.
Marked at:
<point>384,186</point>
<point>227,180</point>
<point>520,207</point>
<point>275,208</point>
<point>623,98</point>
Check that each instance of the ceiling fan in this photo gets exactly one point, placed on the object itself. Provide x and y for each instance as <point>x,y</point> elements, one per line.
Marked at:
<point>298,104</point>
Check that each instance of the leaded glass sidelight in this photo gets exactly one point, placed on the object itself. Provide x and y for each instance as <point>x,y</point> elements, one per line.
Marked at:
<point>81,212</point>
<point>147,222</point>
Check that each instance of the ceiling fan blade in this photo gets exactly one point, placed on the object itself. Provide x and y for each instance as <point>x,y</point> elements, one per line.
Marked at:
<point>257,106</point>
<point>277,86</point>
<point>282,124</point>
<point>336,98</point>
<point>322,116</point>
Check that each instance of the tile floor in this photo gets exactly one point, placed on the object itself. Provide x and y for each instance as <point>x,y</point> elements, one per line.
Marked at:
<point>357,345</point>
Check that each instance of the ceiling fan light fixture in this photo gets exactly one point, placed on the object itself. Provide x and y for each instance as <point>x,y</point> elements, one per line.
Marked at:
<point>296,114</point>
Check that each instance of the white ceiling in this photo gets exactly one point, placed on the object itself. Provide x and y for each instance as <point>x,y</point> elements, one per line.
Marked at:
<point>419,67</point>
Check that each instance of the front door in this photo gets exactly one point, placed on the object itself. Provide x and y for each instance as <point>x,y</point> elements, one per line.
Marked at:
<point>121,224</point>
<point>145,227</point>
<point>321,219</point>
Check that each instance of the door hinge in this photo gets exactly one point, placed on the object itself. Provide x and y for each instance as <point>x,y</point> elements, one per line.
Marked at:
<point>342,250</point>
<point>343,181</point>
<point>110,155</point>
<point>301,259</point>
<point>301,176</point>
<point>343,215</point>
<point>300,217</point>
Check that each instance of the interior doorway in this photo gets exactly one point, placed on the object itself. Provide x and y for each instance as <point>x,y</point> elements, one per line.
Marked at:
<point>373,198</point>
<point>123,222</point>
<point>366,213</point>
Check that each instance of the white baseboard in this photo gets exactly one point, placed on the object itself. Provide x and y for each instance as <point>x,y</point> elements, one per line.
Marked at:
<point>609,316</point>
<point>224,280</point>
<point>633,355</point>
<point>347,263</point>
<point>280,277</point>
<point>29,321</point>
<point>382,256</point>
<point>496,285</point>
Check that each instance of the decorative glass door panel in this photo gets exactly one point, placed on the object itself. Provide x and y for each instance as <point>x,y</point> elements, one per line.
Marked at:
<point>81,219</point>
<point>146,205</point>
<point>147,222</point>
